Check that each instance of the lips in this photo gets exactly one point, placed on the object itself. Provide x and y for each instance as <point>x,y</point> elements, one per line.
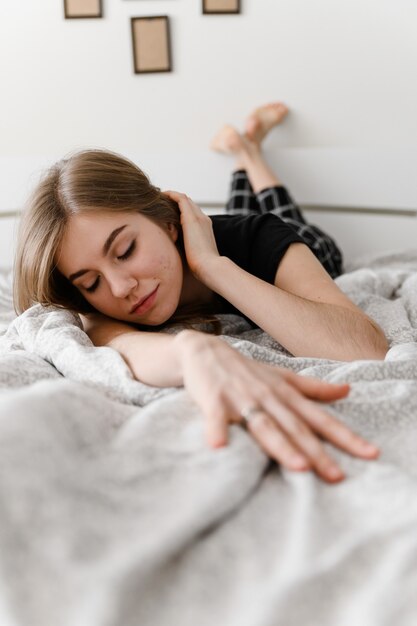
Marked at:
<point>145,303</point>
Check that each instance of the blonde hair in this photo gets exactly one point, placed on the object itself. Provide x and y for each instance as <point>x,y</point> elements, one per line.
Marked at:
<point>86,181</point>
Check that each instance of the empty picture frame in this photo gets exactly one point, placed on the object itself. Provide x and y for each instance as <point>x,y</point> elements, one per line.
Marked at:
<point>151,44</point>
<point>82,8</point>
<point>214,7</point>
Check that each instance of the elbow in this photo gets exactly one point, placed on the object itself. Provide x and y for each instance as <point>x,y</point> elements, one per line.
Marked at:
<point>377,345</point>
<point>378,352</point>
<point>383,349</point>
<point>368,342</point>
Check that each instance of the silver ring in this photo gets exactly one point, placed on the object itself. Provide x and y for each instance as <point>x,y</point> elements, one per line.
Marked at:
<point>247,414</point>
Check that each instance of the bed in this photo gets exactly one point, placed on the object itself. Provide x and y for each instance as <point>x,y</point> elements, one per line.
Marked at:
<point>115,513</point>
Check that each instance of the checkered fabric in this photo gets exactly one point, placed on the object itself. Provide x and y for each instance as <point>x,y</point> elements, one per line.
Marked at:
<point>277,200</point>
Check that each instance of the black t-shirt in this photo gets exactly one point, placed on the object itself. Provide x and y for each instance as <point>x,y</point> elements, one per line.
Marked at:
<point>256,243</point>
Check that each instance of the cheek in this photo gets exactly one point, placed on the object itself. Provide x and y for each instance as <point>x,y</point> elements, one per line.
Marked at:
<point>170,262</point>
<point>164,261</point>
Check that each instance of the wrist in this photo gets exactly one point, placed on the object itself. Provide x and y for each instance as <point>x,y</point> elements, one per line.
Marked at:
<point>212,269</point>
<point>188,342</point>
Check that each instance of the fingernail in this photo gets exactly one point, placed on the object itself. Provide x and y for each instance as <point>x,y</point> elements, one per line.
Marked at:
<point>335,472</point>
<point>299,462</point>
<point>373,451</point>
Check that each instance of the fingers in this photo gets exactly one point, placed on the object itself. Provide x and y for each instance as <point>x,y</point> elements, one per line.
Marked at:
<point>284,421</point>
<point>174,195</point>
<point>317,389</point>
<point>275,443</point>
<point>289,436</point>
<point>323,423</point>
<point>300,423</point>
<point>216,429</point>
<point>296,430</point>
<point>179,197</point>
<point>335,431</point>
<point>185,204</point>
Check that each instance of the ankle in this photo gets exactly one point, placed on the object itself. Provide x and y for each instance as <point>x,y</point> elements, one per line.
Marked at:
<point>251,157</point>
<point>253,141</point>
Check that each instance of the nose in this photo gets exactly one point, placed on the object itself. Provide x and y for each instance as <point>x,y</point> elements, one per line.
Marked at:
<point>121,285</point>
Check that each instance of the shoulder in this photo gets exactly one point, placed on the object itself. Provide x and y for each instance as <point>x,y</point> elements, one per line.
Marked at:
<point>252,222</point>
<point>253,228</point>
<point>255,242</point>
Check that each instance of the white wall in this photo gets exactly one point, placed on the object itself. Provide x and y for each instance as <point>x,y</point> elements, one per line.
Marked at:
<point>345,67</point>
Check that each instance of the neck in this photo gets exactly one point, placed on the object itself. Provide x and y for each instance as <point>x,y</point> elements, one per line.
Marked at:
<point>194,292</point>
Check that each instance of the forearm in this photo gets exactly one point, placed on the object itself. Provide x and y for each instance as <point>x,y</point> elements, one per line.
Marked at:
<point>154,358</point>
<point>151,357</point>
<point>304,327</point>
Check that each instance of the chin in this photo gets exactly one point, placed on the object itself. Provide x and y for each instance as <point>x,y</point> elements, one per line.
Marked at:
<point>156,321</point>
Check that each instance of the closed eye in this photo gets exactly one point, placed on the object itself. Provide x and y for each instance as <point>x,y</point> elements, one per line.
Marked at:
<point>122,257</point>
<point>93,286</point>
<point>128,252</point>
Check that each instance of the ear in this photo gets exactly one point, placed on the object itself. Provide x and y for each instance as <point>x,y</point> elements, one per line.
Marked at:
<point>172,232</point>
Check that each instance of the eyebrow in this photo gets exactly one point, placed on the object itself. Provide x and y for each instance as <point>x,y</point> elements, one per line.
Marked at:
<point>105,251</point>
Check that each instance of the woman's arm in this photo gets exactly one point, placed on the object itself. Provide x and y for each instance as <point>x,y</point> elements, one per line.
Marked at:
<point>304,310</point>
<point>288,424</point>
<point>151,357</point>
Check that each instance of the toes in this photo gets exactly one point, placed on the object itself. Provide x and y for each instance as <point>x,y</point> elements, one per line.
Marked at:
<point>279,107</point>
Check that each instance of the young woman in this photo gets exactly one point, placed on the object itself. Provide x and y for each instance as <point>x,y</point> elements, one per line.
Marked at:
<point>98,238</point>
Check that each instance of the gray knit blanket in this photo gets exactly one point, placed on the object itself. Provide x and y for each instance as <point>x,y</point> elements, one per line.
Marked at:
<point>114,512</point>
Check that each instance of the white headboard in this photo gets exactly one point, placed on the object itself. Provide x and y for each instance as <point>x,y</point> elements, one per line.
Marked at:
<point>366,198</point>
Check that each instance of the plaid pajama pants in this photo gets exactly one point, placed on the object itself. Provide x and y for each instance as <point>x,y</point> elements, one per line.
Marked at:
<point>277,200</point>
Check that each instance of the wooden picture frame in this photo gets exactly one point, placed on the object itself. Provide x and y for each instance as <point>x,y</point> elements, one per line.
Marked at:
<point>221,7</point>
<point>76,9</point>
<point>151,44</point>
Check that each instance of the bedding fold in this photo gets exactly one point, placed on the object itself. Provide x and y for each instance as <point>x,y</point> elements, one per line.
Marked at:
<point>114,512</point>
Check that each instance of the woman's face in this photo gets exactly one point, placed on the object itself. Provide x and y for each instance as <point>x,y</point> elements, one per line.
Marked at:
<point>124,264</point>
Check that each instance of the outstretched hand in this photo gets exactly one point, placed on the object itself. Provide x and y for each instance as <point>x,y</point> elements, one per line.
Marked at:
<point>199,242</point>
<point>285,420</point>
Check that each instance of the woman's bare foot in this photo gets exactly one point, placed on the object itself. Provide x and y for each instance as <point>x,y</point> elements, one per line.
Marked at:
<point>247,154</point>
<point>228,141</point>
<point>260,122</point>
